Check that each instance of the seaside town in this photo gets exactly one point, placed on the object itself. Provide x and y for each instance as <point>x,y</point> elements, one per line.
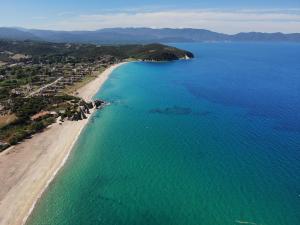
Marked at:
<point>37,92</point>
<point>45,77</point>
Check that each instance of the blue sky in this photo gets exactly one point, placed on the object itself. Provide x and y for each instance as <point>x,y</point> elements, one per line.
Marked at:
<point>229,16</point>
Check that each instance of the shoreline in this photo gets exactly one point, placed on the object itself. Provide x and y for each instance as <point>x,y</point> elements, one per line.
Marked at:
<point>24,182</point>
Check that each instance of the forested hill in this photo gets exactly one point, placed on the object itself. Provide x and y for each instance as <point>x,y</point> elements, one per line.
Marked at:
<point>140,35</point>
<point>35,49</point>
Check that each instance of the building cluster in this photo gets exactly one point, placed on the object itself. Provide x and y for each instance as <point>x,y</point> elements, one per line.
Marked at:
<point>50,78</point>
<point>26,78</point>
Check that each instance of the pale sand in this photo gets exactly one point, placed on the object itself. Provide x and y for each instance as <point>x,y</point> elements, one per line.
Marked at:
<point>28,168</point>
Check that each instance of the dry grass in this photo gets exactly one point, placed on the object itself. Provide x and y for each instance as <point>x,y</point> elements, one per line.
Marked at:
<point>19,56</point>
<point>7,119</point>
<point>72,89</point>
<point>77,85</point>
<point>2,63</point>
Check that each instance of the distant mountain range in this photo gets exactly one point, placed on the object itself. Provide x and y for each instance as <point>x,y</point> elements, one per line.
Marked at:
<point>140,35</point>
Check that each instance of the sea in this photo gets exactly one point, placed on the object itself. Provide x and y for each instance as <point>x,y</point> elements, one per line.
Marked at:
<point>214,140</point>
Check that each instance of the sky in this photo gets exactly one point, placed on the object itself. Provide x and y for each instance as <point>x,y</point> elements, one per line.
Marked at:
<point>227,16</point>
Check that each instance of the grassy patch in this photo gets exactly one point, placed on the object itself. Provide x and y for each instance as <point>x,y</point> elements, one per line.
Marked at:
<point>15,133</point>
<point>77,85</point>
<point>7,119</point>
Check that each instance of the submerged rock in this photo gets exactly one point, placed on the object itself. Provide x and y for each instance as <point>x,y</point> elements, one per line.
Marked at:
<point>99,103</point>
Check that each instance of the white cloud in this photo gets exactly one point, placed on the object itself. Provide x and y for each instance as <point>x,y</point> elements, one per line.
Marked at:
<point>231,21</point>
<point>66,14</point>
<point>39,18</point>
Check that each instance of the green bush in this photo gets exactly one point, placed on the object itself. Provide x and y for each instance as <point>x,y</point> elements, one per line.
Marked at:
<point>37,126</point>
<point>18,136</point>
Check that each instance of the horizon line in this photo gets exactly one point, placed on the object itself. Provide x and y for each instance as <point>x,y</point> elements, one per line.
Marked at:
<point>137,27</point>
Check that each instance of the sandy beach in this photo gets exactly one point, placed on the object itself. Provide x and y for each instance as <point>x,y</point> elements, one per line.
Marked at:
<point>27,168</point>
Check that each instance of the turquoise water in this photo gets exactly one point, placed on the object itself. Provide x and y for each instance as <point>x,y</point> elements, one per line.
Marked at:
<point>212,141</point>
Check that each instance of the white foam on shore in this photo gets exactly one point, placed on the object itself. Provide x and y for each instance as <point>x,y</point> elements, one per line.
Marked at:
<point>245,222</point>
<point>57,170</point>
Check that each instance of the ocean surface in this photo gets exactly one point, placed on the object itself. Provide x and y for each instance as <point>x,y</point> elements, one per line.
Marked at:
<point>213,141</point>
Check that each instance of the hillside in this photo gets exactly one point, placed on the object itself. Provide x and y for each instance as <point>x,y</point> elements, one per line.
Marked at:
<point>16,34</point>
<point>140,35</point>
<point>35,50</point>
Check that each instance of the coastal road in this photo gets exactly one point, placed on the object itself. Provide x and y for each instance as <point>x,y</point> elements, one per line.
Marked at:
<point>44,87</point>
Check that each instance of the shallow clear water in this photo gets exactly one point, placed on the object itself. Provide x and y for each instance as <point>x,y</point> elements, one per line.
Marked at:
<point>214,140</point>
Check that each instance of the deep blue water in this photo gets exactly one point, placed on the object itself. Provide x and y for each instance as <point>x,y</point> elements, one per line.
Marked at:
<point>213,140</point>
